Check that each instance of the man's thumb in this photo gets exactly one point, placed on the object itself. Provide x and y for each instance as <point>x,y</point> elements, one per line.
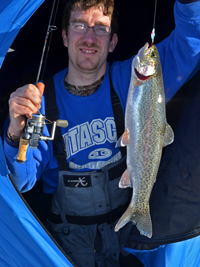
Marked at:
<point>40,87</point>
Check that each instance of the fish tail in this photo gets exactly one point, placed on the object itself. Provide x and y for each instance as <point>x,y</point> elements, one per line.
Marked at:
<point>143,223</point>
<point>126,217</point>
<point>141,219</point>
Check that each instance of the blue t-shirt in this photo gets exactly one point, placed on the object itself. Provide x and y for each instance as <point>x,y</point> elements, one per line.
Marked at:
<point>91,135</point>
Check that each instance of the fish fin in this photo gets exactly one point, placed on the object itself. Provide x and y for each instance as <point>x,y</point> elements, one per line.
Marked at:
<point>169,135</point>
<point>137,82</point>
<point>123,140</point>
<point>125,218</point>
<point>125,180</point>
<point>142,221</point>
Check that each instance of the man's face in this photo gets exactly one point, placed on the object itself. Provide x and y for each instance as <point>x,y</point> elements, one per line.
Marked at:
<point>87,51</point>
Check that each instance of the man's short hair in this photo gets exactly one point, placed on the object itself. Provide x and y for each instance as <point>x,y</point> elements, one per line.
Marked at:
<point>109,10</point>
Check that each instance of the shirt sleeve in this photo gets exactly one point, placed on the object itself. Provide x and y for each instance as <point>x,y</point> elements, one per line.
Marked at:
<point>180,52</point>
<point>40,163</point>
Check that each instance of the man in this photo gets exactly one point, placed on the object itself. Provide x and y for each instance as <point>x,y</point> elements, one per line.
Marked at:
<point>87,201</point>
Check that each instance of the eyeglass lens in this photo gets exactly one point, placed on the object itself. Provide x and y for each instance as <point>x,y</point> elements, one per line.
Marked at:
<point>82,28</point>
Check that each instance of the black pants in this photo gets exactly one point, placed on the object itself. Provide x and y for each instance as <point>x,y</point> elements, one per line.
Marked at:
<point>130,261</point>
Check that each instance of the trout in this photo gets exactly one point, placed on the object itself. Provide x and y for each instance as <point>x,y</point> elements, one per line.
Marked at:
<point>146,133</point>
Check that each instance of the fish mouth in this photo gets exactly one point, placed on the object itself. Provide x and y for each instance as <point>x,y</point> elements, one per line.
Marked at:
<point>141,76</point>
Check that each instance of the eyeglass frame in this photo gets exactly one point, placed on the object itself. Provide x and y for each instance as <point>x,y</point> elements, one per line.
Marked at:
<point>87,27</point>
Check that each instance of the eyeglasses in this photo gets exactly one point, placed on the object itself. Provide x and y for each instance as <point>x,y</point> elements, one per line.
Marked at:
<point>100,30</point>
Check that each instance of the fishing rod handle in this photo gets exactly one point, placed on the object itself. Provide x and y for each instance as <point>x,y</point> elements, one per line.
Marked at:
<point>23,146</point>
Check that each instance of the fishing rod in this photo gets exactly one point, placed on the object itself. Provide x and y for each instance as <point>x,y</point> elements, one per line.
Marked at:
<point>34,127</point>
<point>50,28</point>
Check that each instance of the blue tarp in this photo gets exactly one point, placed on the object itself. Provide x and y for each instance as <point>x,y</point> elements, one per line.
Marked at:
<point>180,254</point>
<point>13,16</point>
<point>23,241</point>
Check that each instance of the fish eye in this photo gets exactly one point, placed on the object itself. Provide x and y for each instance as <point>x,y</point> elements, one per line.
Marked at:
<point>153,54</point>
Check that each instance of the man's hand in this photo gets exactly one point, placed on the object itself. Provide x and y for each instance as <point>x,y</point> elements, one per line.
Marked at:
<point>23,103</point>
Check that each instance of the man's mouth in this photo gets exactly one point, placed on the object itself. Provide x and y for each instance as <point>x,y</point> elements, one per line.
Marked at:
<point>88,51</point>
<point>141,76</point>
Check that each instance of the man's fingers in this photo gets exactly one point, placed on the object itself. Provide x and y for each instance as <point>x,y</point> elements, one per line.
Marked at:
<point>29,92</point>
<point>23,106</point>
<point>25,101</point>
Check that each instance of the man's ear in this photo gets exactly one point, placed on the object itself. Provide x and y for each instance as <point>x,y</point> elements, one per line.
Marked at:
<point>64,36</point>
<point>113,43</point>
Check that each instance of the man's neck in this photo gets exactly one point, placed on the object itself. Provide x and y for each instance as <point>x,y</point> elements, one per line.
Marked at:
<point>85,90</point>
<point>83,78</point>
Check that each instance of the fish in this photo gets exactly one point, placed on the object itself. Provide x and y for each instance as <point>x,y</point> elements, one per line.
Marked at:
<point>146,133</point>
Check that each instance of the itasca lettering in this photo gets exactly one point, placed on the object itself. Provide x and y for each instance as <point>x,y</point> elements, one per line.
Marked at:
<point>86,135</point>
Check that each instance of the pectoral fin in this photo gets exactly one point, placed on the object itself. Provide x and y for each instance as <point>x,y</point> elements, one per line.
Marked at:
<point>125,180</point>
<point>169,135</point>
<point>123,140</point>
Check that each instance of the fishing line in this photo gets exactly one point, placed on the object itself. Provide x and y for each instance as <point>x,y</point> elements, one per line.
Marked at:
<point>154,21</point>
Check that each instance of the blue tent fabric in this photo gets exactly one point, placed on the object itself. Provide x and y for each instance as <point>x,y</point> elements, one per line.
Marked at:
<point>23,241</point>
<point>181,254</point>
<point>14,14</point>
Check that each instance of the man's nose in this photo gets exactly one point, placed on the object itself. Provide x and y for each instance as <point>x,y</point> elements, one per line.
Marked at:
<point>90,36</point>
